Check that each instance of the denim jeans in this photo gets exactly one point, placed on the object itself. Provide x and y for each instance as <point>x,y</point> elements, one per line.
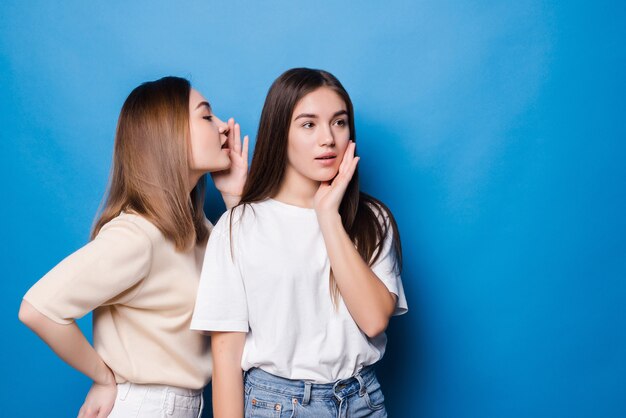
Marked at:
<point>267,395</point>
<point>151,401</point>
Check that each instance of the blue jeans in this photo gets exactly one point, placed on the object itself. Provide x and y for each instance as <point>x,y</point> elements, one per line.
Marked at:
<point>267,395</point>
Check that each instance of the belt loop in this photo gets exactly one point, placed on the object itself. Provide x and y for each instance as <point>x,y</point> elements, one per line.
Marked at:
<point>171,402</point>
<point>201,405</point>
<point>359,378</point>
<point>307,393</point>
<point>123,389</point>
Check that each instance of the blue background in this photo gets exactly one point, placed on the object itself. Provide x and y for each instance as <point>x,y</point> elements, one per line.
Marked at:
<point>494,130</point>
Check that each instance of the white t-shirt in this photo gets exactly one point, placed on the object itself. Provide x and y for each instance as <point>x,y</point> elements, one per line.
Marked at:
<point>275,287</point>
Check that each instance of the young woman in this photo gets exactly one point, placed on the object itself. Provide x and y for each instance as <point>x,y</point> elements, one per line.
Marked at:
<point>140,272</point>
<point>299,281</point>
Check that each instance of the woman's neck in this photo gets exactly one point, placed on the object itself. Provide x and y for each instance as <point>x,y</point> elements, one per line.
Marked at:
<point>194,177</point>
<point>296,189</point>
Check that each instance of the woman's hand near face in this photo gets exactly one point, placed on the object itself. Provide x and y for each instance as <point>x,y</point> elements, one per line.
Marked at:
<point>330,193</point>
<point>366,297</point>
<point>230,182</point>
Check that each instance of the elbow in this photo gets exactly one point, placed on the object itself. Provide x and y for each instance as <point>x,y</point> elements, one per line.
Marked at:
<point>25,315</point>
<point>28,315</point>
<point>376,326</point>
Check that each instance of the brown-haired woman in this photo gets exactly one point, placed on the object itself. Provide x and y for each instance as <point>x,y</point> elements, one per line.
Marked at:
<point>300,280</point>
<point>139,273</point>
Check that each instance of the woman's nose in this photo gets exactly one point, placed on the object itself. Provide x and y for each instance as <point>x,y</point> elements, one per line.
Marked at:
<point>327,138</point>
<point>221,125</point>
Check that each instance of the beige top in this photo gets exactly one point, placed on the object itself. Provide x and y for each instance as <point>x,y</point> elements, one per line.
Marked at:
<point>142,292</point>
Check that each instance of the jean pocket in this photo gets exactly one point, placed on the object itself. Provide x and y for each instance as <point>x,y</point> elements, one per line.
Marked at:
<point>122,390</point>
<point>262,404</point>
<point>374,397</point>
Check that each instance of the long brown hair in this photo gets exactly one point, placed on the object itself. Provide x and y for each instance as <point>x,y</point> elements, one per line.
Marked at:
<point>360,213</point>
<point>150,164</point>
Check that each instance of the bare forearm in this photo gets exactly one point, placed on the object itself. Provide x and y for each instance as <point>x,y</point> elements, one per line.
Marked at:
<point>227,348</point>
<point>68,342</point>
<point>367,298</point>
<point>228,393</point>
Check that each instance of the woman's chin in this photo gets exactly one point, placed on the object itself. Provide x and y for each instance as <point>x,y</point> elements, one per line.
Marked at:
<point>226,165</point>
<point>325,176</point>
<point>329,173</point>
<point>219,166</point>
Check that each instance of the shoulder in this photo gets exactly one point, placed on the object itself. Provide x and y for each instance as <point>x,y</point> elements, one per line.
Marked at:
<point>129,229</point>
<point>236,218</point>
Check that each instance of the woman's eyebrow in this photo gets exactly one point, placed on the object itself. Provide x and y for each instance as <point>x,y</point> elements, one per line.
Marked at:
<point>208,106</point>
<point>314,116</point>
<point>306,115</point>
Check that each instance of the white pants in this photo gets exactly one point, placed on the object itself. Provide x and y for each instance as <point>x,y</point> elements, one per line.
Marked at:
<point>148,401</point>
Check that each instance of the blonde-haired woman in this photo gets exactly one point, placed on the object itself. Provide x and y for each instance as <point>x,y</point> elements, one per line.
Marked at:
<point>139,273</point>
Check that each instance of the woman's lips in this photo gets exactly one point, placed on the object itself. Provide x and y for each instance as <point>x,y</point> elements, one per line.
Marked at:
<point>327,159</point>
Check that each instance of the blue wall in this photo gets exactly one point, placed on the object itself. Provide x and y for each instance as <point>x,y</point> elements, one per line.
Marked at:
<point>494,130</point>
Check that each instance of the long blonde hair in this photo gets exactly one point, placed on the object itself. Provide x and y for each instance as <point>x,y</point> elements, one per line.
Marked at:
<point>150,164</point>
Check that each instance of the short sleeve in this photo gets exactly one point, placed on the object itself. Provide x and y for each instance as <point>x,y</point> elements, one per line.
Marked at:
<point>221,303</point>
<point>385,269</point>
<point>116,260</point>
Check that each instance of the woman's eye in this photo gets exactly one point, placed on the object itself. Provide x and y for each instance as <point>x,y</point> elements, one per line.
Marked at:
<point>209,118</point>
<point>340,122</point>
<point>307,125</point>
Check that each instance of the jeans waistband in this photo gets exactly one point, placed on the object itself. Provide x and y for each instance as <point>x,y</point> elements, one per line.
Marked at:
<point>300,388</point>
<point>164,388</point>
